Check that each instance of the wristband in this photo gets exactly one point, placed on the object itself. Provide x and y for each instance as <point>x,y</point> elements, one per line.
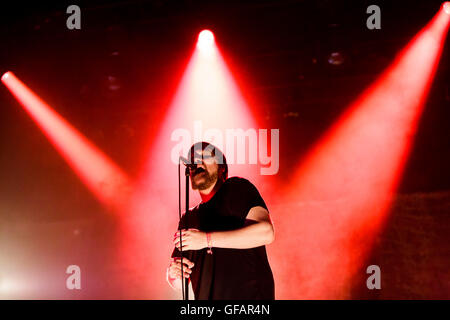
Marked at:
<point>209,243</point>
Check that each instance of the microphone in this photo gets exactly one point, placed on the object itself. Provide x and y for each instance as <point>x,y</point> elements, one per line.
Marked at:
<point>188,164</point>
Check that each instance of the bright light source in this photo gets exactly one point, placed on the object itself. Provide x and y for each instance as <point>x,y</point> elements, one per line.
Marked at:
<point>206,37</point>
<point>446,7</point>
<point>205,42</point>
<point>5,76</point>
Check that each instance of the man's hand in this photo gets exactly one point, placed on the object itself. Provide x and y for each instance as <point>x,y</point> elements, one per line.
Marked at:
<point>174,271</point>
<point>192,239</point>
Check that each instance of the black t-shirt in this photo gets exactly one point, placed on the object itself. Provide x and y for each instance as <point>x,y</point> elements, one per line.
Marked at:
<point>241,274</point>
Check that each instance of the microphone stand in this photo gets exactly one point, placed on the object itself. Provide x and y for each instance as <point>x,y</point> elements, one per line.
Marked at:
<point>184,282</point>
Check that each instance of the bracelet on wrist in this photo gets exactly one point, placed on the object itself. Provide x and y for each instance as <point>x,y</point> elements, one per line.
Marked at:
<point>209,243</point>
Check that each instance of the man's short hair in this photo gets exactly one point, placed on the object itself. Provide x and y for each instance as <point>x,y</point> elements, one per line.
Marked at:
<point>216,152</point>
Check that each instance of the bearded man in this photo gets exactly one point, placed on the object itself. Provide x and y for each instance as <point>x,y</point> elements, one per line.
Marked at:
<point>224,236</point>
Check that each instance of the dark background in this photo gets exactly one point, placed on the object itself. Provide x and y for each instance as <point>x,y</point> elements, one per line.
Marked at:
<point>114,76</point>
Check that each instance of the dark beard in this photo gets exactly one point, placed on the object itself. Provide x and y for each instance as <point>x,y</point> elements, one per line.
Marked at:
<point>209,180</point>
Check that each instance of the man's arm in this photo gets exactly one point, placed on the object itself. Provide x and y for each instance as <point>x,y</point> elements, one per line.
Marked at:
<point>258,231</point>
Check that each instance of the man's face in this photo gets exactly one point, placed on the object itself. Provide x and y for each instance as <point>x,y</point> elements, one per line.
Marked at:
<point>207,171</point>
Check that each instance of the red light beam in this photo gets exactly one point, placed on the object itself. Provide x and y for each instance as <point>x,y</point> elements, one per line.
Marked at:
<point>208,99</point>
<point>339,198</point>
<point>102,177</point>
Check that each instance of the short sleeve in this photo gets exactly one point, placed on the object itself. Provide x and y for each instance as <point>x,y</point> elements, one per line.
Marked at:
<point>242,196</point>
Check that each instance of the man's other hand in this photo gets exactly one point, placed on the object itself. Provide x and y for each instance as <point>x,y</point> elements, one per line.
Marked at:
<point>192,239</point>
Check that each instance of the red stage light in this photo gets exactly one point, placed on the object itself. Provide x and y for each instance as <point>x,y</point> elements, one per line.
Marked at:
<point>205,42</point>
<point>5,76</point>
<point>100,174</point>
<point>446,7</point>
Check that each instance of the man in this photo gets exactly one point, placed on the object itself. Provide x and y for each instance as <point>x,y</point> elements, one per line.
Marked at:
<point>223,237</point>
